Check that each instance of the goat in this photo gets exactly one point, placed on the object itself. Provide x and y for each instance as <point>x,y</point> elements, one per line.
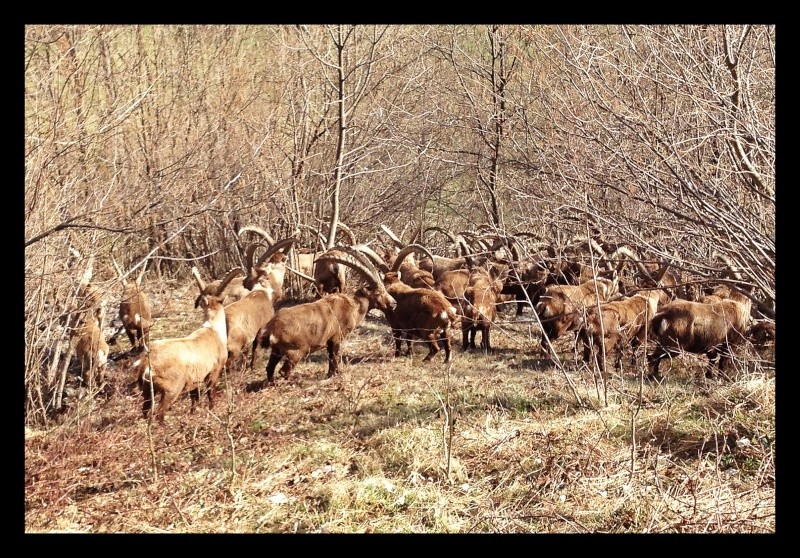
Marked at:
<point>270,269</point>
<point>610,327</point>
<point>525,283</point>
<point>246,318</point>
<point>296,331</point>
<point>134,309</point>
<point>761,333</point>
<point>453,284</point>
<point>560,308</point>
<point>421,312</point>
<point>712,327</point>
<point>618,324</point>
<point>480,305</point>
<point>91,347</point>
<point>171,367</point>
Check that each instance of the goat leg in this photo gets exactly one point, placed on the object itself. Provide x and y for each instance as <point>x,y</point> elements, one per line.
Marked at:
<point>274,359</point>
<point>487,347</point>
<point>333,358</point>
<point>398,342</point>
<point>194,395</point>
<point>433,346</point>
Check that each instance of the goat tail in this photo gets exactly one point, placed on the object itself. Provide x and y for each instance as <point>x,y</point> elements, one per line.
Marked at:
<point>143,369</point>
<point>452,314</point>
<point>659,324</point>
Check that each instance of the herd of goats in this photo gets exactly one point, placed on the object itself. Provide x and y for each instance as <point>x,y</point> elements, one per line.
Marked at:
<point>585,289</point>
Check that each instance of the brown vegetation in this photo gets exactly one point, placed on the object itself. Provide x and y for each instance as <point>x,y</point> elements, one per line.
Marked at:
<point>167,144</point>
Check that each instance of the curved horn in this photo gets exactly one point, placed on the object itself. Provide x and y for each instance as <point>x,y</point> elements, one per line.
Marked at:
<point>259,231</point>
<point>249,253</point>
<point>731,272</point>
<point>474,240</point>
<point>274,248</point>
<point>349,232</point>
<point>376,259</point>
<point>320,238</point>
<point>359,255</point>
<point>593,244</point>
<point>198,279</point>
<point>141,273</point>
<point>420,249</point>
<point>449,235</point>
<point>624,252</point>
<point>119,272</point>
<point>87,275</point>
<point>235,272</point>
<point>397,242</point>
<point>355,260</point>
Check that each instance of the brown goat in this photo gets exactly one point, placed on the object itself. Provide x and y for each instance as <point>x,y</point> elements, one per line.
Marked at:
<point>134,309</point>
<point>91,347</point>
<point>170,367</point>
<point>711,328</point>
<point>480,305</point>
<point>297,331</point>
<point>612,327</point>
<point>525,283</point>
<point>618,325</point>
<point>453,284</point>
<point>421,313</point>
<point>761,333</point>
<point>561,307</point>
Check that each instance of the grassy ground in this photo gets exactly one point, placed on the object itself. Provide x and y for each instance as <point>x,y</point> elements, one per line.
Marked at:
<point>506,443</point>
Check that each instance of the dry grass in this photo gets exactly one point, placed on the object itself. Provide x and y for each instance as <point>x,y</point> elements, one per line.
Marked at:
<point>488,444</point>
